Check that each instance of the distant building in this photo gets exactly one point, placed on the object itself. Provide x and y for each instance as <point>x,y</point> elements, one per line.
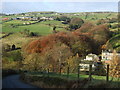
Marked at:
<point>107,55</point>
<point>46,18</point>
<point>85,67</point>
<point>91,57</point>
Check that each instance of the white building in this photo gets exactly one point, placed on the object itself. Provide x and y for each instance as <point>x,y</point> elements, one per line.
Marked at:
<point>106,55</point>
<point>85,67</point>
<point>91,57</point>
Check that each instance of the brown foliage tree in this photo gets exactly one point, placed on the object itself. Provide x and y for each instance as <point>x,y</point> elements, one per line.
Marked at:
<point>85,28</point>
<point>54,49</point>
<point>115,65</point>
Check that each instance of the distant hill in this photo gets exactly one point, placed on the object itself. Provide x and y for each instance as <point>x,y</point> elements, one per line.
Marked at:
<point>2,14</point>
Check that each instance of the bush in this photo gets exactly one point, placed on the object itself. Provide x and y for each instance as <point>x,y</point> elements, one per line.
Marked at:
<point>114,26</point>
<point>63,18</point>
<point>33,34</point>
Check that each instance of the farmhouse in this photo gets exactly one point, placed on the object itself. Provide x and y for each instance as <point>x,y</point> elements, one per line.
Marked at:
<point>91,57</point>
<point>107,55</point>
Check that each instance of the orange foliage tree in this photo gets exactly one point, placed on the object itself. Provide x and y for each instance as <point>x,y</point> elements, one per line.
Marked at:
<point>56,48</point>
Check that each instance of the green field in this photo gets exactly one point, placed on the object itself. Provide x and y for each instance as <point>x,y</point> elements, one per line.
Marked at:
<point>17,39</point>
<point>115,42</point>
<point>73,76</point>
<point>42,27</point>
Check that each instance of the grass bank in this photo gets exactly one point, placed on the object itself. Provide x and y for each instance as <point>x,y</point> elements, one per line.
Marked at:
<point>56,81</point>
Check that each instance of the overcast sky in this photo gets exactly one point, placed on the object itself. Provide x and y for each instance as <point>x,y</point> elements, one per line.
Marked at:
<point>60,0</point>
<point>61,6</point>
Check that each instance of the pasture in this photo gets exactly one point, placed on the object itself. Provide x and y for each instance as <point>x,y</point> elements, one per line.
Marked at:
<point>42,28</point>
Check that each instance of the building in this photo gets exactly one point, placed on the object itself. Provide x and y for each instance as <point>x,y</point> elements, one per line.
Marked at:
<point>108,55</point>
<point>85,66</point>
<point>46,18</point>
<point>91,57</point>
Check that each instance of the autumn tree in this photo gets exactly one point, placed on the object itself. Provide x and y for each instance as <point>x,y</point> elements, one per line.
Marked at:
<point>33,62</point>
<point>100,35</point>
<point>54,50</point>
<point>56,57</point>
<point>85,28</point>
<point>102,21</point>
<point>81,47</point>
<point>115,65</point>
<point>72,63</point>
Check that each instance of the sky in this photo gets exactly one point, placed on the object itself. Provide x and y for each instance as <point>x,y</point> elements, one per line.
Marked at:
<point>14,6</point>
<point>60,0</point>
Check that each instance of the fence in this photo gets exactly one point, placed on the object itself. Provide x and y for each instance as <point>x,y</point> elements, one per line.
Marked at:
<point>90,75</point>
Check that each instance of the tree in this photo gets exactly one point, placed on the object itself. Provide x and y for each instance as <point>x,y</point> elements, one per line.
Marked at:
<point>33,34</point>
<point>55,49</point>
<point>81,47</point>
<point>85,28</point>
<point>100,35</point>
<point>76,23</point>
<point>56,57</point>
<point>13,47</point>
<point>115,65</point>
<point>33,62</point>
<point>72,63</point>
<point>54,27</point>
<point>63,18</point>
<point>101,21</point>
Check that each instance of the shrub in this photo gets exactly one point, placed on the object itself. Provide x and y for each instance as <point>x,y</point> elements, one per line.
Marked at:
<point>33,34</point>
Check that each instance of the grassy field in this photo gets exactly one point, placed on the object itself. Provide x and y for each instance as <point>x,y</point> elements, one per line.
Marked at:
<point>42,27</point>
<point>17,39</point>
<point>96,16</point>
<point>16,22</point>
